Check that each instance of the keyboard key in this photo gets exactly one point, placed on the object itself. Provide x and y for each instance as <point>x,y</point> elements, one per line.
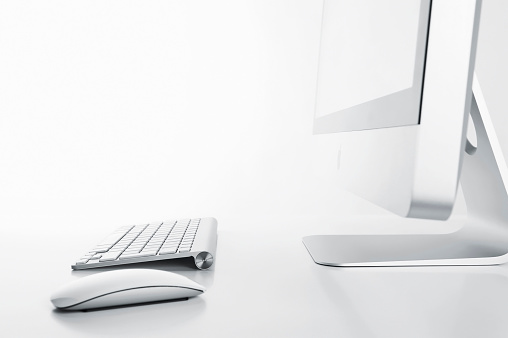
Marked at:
<point>130,252</point>
<point>167,251</point>
<point>150,251</point>
<point>109,256</point>
<point>170,245</point>
<point>153,244</point>
<point>137,255</point>
<point>137,245</point>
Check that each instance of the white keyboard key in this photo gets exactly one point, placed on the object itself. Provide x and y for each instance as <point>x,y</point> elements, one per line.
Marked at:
<point>167,251</point>
<point>109,256</point>
<point>171,243</point>
<point>136,255</point>
<point>170,246</point>
<point>154,245</point>
<point>130,252</point>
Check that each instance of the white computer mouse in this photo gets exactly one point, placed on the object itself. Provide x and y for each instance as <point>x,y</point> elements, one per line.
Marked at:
<point>123,287</point>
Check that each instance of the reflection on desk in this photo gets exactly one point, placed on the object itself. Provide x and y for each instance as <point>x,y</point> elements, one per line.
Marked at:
<point>420,301</point>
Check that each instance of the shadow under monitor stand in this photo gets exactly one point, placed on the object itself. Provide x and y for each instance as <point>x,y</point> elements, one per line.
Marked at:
<point>483,238</point>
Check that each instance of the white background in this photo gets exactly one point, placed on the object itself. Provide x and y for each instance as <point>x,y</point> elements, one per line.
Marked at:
<point>118,112</point>
<point>114,112</point>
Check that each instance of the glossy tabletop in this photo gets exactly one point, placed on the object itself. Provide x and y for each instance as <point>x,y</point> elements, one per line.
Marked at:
<point>265,284</point>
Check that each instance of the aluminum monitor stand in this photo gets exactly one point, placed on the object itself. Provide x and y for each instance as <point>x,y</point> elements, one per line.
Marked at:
<point>482,240</point>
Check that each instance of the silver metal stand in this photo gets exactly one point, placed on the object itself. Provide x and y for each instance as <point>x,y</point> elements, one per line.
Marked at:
<point>482,240</point>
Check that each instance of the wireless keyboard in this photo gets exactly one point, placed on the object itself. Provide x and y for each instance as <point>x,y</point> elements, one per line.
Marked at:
<point>195,238</point>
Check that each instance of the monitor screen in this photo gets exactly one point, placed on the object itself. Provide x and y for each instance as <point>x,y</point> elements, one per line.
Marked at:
<point>371,64</point>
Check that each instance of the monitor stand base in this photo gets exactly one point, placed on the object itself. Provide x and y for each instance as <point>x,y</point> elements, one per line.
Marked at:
<point>482,240</point>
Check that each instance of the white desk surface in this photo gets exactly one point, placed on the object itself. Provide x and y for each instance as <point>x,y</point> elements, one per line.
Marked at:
<point>263,285</point>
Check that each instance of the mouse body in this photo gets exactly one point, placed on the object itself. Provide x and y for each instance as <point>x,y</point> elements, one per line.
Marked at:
<point>123,287</point>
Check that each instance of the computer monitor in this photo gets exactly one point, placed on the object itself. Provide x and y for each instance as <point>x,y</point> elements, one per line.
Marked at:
<point>398,77</point>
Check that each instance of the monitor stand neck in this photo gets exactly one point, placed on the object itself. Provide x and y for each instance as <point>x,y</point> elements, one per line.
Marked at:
<point>483,238</point>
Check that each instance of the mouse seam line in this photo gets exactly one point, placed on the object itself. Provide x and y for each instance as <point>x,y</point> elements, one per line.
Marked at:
<point>142,287</point>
